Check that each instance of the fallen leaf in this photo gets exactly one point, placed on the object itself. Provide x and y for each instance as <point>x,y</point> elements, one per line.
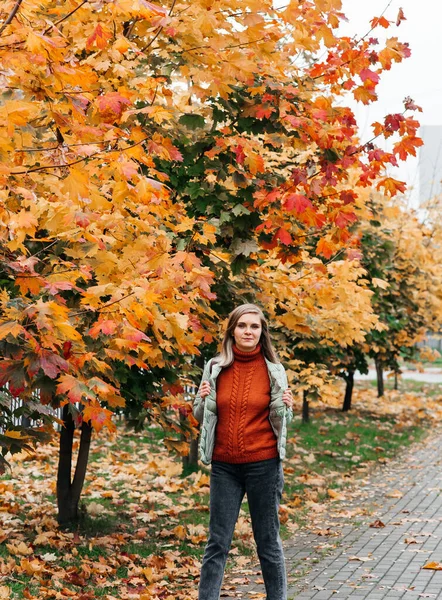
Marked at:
<point>377,524</point>
<point>49,557</point>
<point>334,495</point>
<point>5,592</point>
<point>434,566</point>
<point>310,458</point>
<point>19,549</point>
<point>394,494</point>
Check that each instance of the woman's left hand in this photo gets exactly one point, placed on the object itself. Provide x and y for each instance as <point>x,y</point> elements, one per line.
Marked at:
<point>287,398</point>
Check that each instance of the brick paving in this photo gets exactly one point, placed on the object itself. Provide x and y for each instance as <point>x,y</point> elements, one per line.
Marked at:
<point>360,562</point>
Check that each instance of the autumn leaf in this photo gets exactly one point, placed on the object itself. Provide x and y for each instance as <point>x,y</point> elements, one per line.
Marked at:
<point>377,524</point>
<point>99,38</point>
<point>400,17</point>
<point>433,566</point>
<point>98,417</point>
<point>380,22</point>
<point>12,328</point>
<point>75,389</point>
<point>380,283</point>
<point>391,186</point>
<point>111,105</point>
<point>297,202</point>
<point>325,248</point>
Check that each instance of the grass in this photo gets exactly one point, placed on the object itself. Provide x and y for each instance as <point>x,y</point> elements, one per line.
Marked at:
<point>148,517</point>
<point>407,385</point>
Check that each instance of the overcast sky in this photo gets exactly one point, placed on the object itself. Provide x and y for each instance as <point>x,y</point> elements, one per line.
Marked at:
<point>418,76</point>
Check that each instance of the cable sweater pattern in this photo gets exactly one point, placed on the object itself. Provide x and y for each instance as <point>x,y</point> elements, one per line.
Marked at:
<point>243,432</point>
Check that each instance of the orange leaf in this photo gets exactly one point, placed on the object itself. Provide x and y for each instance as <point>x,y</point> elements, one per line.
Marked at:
<point>391,186</point>
<point>325,248</point>
<point>434,566</point>
<point>380,22</point>
<point>99,38</point>
<point>255,163</point>
<point>98,417</point>
<point>407,146</point>
<point>11,328</point>
<point>29,284</point>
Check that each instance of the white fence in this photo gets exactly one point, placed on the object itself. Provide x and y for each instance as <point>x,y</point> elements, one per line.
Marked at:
<point>16,403</point>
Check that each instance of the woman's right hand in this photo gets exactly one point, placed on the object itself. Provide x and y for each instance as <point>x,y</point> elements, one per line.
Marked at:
<point>204,389</point>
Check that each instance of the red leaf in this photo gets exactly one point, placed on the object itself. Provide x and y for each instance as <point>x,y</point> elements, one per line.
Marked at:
<point>297,202</point>
<point>108,327</point>
<point>67,346</point>
<point>370,75</point>
<point>400,17</point>
<point>264,111</point>
<point>52,364</point>
<point>411,105</point>
<point>393,122</point>
<point>344,219</point>
<point>347,197</point>
<point>239,153</point>
<point>75,389</point>
<point>284,236</point>
<point>112,104</point>
<point>12,373</point>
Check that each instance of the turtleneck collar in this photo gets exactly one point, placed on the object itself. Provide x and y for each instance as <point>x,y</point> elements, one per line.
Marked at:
<point>246,356</point>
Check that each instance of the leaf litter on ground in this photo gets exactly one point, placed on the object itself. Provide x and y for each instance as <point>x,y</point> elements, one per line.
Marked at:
<point>144,526</point>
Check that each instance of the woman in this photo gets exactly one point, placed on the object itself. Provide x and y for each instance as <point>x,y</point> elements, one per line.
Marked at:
<point>244,405</point>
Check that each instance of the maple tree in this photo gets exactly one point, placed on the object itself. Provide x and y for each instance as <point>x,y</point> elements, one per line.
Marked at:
<point>147,149</point>
<point>401,258</point>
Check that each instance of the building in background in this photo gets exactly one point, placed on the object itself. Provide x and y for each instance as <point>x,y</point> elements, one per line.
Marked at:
<point>430,163</point>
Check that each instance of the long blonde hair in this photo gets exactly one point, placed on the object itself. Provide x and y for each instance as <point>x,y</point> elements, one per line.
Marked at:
<point>226,356</point>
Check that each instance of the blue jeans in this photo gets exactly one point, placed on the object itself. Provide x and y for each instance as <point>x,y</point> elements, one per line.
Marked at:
<point>263,482</point>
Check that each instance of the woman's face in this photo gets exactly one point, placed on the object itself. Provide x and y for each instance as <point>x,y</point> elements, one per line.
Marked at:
<point>247,332</point>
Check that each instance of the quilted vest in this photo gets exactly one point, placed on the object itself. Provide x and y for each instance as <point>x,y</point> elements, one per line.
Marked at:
<point>205,411</point>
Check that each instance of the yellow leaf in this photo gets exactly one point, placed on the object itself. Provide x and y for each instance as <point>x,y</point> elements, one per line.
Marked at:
<point>19,549</point>
<point>434,566</point>
<point>10,328</point>
<point>26,220</point>
<point>13,434</point>
<point>5,592</point>
<point>380,283</point>
<point>180,532</point>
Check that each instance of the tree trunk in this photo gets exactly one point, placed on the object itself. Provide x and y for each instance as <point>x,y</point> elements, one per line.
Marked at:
<point>69,491</point>
<point>305,408</point>
<point>349,384</point>
<point>380,378</point>
<point>396,380</point>
<point>190,462</point>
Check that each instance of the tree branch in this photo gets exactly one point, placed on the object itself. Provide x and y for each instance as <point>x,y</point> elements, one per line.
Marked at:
<point>159,30</point>
<point>64,18</point>
<point>30,169</point>
<point>11,16</point>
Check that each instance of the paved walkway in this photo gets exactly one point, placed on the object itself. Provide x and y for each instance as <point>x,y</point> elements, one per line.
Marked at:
<point>360,562</point>
<point>430,375</point>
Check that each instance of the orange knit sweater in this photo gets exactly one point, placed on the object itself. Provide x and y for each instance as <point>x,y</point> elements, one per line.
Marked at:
<point>243,432</point>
